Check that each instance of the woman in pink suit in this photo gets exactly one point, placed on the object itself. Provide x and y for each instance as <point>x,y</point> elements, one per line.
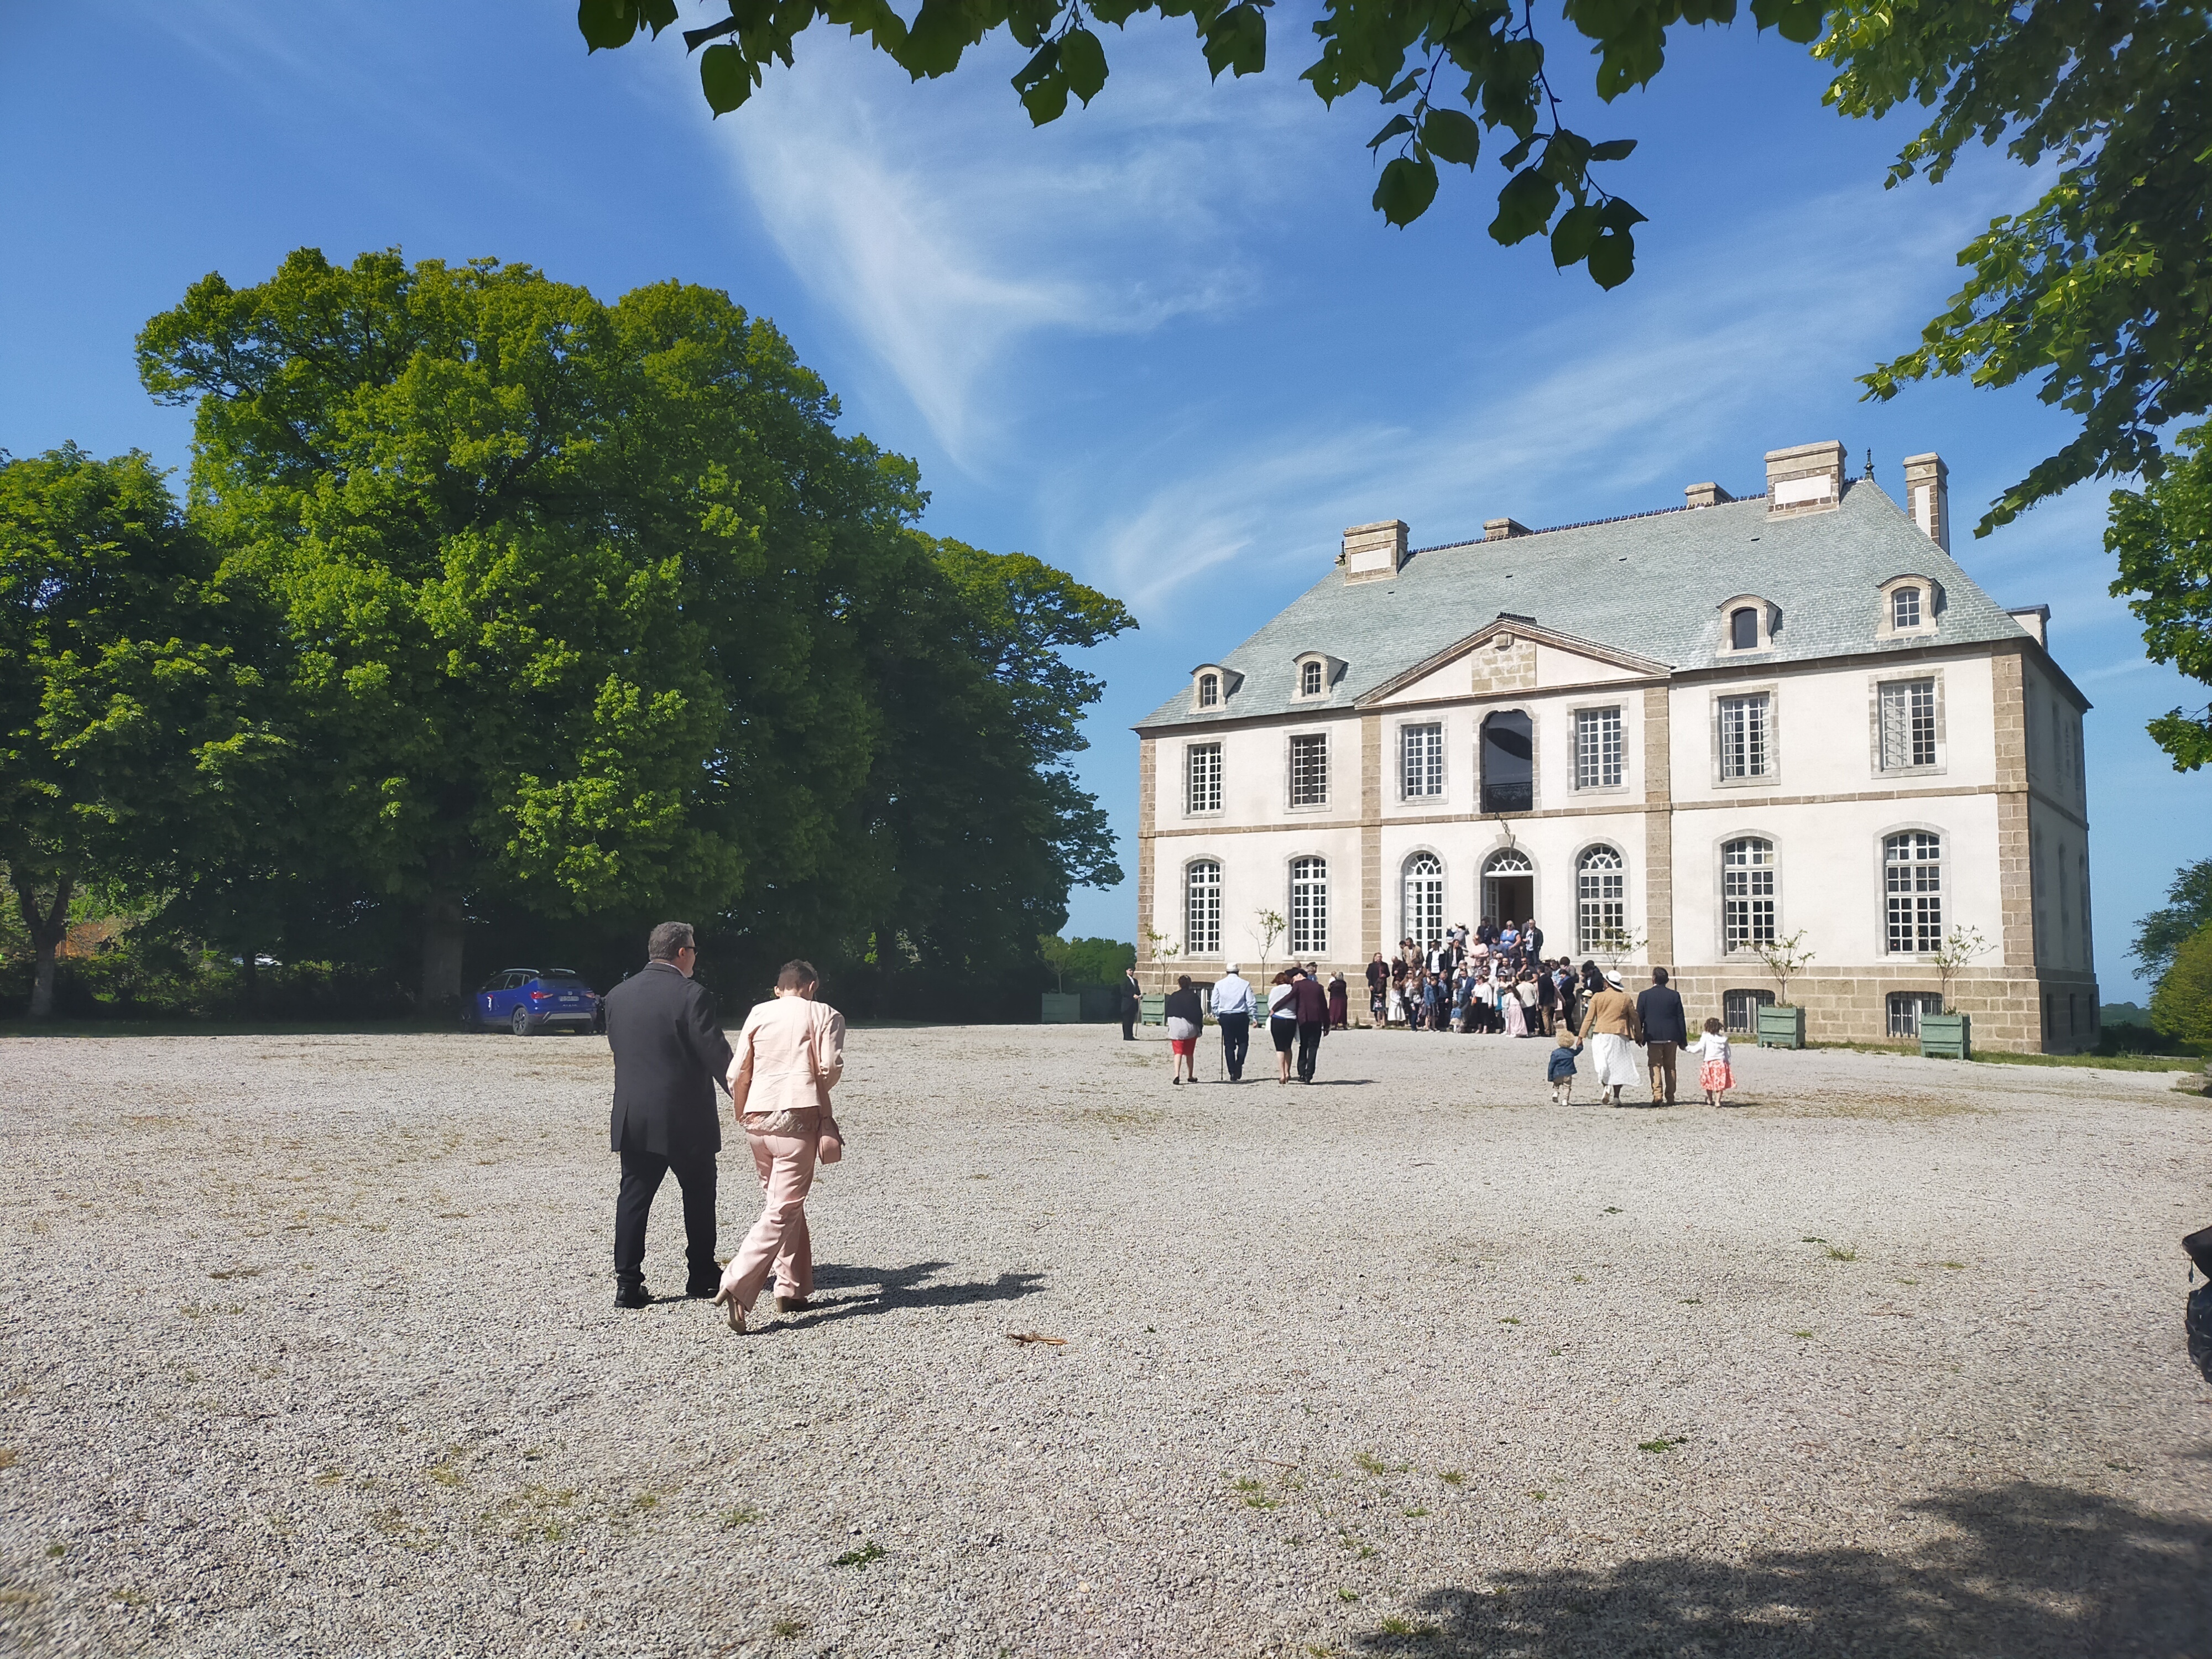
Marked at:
<point>787,1060</point>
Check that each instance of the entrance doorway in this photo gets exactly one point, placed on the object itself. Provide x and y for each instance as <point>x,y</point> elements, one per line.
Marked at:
<point>1509,888</point>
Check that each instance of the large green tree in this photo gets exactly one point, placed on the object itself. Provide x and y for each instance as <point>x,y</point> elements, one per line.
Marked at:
<point>2188,910</point>
<point>589,612</point>
<point>131,729</point>
<point>2162,537</point>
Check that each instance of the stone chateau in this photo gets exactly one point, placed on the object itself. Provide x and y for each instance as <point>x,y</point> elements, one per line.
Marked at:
<point>1669,738</point>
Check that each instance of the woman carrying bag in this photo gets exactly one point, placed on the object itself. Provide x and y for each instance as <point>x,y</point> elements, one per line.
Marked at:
<point>786,1061</point>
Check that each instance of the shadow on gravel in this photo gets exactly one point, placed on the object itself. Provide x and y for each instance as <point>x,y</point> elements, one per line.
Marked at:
<point>2197,1322</point>
<point>906,1287</point>
<point>2032,1571</point>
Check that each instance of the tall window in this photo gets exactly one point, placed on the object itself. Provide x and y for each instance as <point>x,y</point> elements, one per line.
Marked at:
<point>1202,780</point>
<point>1601,899</point>
<point>1904,613</point>
<point>1309,680</point>
<point>1748,894</point>
<point>1201,909</point>
<point>1597,747</point>
<point>1912,872</point>
<point>1309,770</point>
<point>1740,1009</point>
<point>1743,629</point>
<point>1309,907</point>
<point>1509,764</point>
<point>1420,761</point>
<point>1746,745</point>
<point>1425,899</point>
<point>1209,690</point>
<point>1908,723</point>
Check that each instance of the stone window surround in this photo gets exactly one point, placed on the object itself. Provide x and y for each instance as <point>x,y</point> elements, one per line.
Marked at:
<point>1331,671</point>
<point>1328,762</point>
<point>1745,956</point>
<point>1529,711</point>
<point>1535,877</point>
<point>1221,780</point>
<point>1628,747</point>
<point>1398,729</point>
<point>1931,608</point>
<point>1631,889</point>
<point>1770,618</point>
<point>1226,682</point>
<point>1771,691</point>
<point>1221,897</point>
<point>1946,864</point>
<point>1445,868</point>
<point>1290,905</point>
<point>1893,677</point>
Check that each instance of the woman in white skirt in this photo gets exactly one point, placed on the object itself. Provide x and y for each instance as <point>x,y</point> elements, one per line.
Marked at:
<point>1610,1028</point>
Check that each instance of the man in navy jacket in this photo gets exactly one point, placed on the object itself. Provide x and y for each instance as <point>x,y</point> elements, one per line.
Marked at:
<point>1665,1031</point>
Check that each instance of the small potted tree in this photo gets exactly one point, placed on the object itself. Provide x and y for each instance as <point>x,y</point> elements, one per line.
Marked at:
<point>1268,926</point>
<point>1781,1022</point>
<point>1946,1034</point>
<point>1152,1007</point>
<point>1061,1006</point>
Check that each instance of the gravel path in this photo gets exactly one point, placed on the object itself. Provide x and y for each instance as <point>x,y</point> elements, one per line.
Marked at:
<point>312,1350</point>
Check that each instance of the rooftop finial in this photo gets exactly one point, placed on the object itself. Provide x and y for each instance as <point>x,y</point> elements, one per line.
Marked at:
<point>1869,472</point>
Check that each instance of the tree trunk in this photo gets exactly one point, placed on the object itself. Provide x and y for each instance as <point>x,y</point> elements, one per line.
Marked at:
<point>444,931</point>
<point>47,929</point>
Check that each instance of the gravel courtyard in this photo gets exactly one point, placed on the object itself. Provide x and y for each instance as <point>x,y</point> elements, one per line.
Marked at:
<point>311,1350</point>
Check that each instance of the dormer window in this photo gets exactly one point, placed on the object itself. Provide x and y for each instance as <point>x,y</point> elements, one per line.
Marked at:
<point>1313,673</point>
<point>1748,623</point>
<point>1911,603</point>
<point>1904,607</point>
<point>1309,679</point>
<point>1209,690</point>
<point>1212,686</point>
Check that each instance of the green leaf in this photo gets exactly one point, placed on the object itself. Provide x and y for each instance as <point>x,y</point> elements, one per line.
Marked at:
<point>606,24</point>
<point>1613,259</point>
<point>1238,41</point>
<point>1524,206</point>
<point>1572,236</point>
<point>1046,62</point>
<point>1613,149</point>
<point>726,77</point>
<point>659,13</point>
<point>1391,128</point>
<point>1798,20</point>
<point>1617,214</point>
<point>1453,135</point>
<point>1402,87</point>
<point>1083,61</point>
<point>1406,189</point>
<point>1046,98</point>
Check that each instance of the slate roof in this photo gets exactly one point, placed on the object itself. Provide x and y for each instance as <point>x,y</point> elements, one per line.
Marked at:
<point>1652,585</point>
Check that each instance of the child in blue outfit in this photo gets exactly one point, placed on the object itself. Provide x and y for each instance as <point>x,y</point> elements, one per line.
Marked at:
<point>1561,1070</point>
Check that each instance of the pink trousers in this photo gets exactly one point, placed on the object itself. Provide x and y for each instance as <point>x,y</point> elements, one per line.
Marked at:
<point>779,1239</point>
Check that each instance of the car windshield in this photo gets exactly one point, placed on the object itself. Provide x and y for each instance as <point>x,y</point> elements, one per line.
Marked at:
<point>565,982</point>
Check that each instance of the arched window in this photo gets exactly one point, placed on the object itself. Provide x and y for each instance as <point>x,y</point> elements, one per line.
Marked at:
<point>1209,690</point>
<point>1309,679</point>
<point>1904,607</point>
<point>1509,887</point>
<point>1912,877</point>
<point>1201,909</point>
<point>1601,900</point>
<point>1509,764</point>
<point>1425,899</point>
<point>1748,894</point>
<point>1309,907</point>
<point>1743,628</point>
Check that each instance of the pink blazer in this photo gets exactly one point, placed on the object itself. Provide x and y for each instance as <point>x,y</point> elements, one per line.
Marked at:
<point>787,1058</point>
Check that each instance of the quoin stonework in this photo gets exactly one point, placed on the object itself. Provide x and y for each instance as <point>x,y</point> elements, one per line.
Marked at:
<point>1669,738</point>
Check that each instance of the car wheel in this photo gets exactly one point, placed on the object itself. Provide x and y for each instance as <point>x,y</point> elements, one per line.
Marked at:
<point>520,1024</point>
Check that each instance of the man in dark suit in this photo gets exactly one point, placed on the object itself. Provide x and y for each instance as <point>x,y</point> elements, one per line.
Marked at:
<point>1659,1010</point>
<point>1310,1002</point>
<point>670,1054</point>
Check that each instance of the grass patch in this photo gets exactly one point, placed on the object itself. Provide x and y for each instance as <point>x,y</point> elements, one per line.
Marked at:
<point>1802,1335</point>
<point>2094,1062</point>
<point>785,1630</point>
<point>1508,1322</point>
<point>1347,1596</point>
<point>1452,1478</point>
<point>867,1553</point>
<point>742,1515</point>
<point>1540,1497</point>
<point>1842,1253</point>
<point>1662,1443</point>
<point>1956,1266</point>
<point>1393,1626</point>
<point>55,1551</point>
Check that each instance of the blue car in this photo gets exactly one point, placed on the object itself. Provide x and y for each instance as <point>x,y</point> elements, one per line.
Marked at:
<point>528,1000</point>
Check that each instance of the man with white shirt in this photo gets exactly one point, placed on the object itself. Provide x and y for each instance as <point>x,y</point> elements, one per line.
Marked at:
<point>1232,1009</point>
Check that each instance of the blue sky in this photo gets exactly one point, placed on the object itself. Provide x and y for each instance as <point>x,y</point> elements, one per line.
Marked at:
<point>1165,344</point>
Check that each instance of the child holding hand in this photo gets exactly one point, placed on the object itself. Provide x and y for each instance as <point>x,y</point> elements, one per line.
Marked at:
<point>1714,1075</point>
<point>1561,1068</point>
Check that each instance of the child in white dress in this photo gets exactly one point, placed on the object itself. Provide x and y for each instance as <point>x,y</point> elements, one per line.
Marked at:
<point>1714,1075</point>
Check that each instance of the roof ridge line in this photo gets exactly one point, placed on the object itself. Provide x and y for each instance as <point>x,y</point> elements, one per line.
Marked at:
<point>1582,523</point>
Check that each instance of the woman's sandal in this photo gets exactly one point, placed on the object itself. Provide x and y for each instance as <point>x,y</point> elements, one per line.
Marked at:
<point>727,1300</point>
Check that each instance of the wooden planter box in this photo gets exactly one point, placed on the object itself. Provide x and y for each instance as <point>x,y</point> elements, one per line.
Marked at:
<point>1947,1037</point>
<point>1781,1026</point>
<point>1153,1010</point>
<point>1062,1008</point>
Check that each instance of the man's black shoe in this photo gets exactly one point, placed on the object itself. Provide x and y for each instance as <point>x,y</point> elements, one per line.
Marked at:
<point>703,1287</point>
<point>632,1295</point>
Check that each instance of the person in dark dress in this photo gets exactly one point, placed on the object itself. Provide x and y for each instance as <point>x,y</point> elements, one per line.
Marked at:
<point>1378,992</point>
<point>670,1056</point>
<point>1132,1004</point>
<point>1339,1003</point>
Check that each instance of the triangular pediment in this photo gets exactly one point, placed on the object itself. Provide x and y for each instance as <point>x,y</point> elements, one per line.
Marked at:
<point>1512,654</point>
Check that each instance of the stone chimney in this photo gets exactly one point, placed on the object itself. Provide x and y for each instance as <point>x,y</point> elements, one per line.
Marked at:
<point>1806,479</point>
<point>1373,551</point>
<point>1707,494</point>
<point>2035,619</point>
<point>1927,497</point>
<point>1502,530</point>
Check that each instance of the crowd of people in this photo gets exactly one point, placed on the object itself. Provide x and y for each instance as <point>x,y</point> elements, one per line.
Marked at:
<point>1493,978</point>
